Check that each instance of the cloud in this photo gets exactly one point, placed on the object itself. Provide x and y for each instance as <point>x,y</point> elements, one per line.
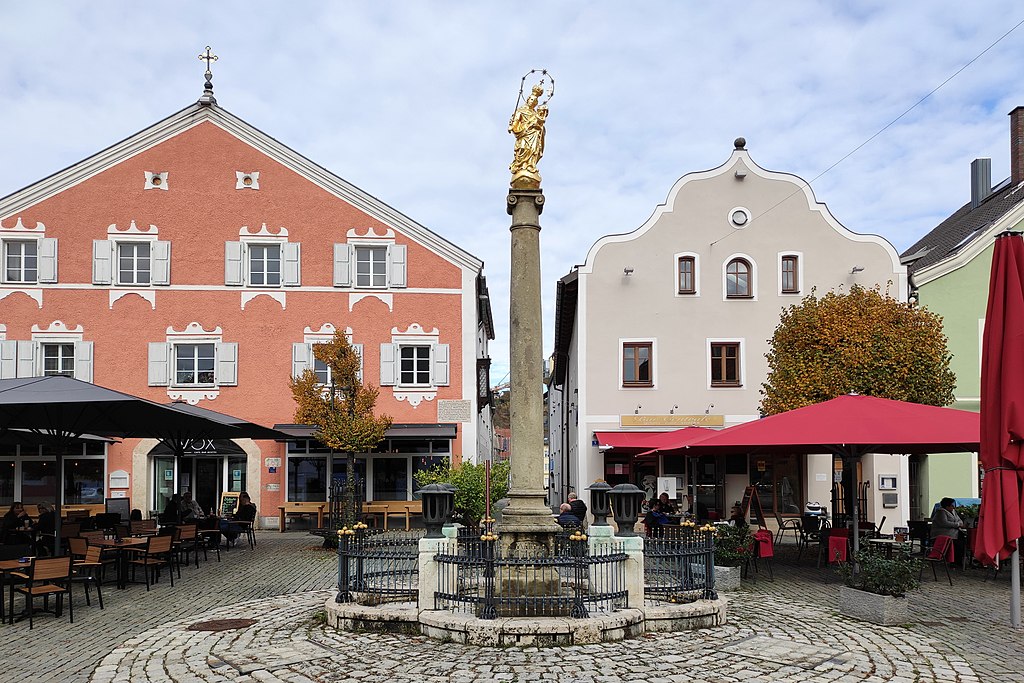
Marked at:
<point>410,101</point>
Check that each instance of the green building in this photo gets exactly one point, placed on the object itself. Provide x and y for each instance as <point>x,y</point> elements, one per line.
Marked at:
<point>949,272</point>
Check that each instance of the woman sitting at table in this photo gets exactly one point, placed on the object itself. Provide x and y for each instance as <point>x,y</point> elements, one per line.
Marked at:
<point>244,513</point>
<point>945,521</point>
<point>16,525</point>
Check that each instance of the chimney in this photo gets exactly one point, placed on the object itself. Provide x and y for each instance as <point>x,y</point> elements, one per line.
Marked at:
<point>1017,145</point>
<point>981,181</point>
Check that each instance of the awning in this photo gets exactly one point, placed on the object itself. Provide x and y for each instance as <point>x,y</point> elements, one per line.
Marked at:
<point>396,431</point>
<point>201,447</point>
<point>649,442</point>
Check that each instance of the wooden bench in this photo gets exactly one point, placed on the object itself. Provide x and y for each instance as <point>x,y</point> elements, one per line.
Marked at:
<point>387,508</point>
<point>303,509</point>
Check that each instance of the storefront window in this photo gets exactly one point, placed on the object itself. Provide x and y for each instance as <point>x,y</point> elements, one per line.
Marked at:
<point>38,481</point>
<point>6,482</point>
<point>423,463</point>
<point>778,483</point>
<point>390,478</point>
<point>163,477</point>
<point>83,481</point>
<point>236,474</point>
<point>307,478</point>
<point>341,471</point>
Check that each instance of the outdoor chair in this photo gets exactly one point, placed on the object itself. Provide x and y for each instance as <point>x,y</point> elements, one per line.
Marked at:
<point>46,576</point>
<point>249,529</point>
<point>79,546</point>
<point>68,530</point>
<point>942,553</point>
<point>878,529</point>
<point>810,531</point>
<point>919,532</point>
<point>790,524</point>
<point>12,552</point>
<point>834,545</point>
<point>156,555</point>
<point>90,570</point>
<point>142,527</point>
<point>763,548</point>
<point>208,539</point>
<point>186,540</point>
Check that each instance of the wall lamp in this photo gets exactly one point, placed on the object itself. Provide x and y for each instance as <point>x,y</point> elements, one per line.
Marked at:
<point>856,269</point>
<point>673,410</point>
<point>627,271</point>
<point>637,411</point>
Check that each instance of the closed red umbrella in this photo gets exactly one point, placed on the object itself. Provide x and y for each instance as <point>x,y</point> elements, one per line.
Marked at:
<point>1002,410</point>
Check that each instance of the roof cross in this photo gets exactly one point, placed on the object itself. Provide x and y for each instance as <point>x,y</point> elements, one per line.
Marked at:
<point>207,57</point>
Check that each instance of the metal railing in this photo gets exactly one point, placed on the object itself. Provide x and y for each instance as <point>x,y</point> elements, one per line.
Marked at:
<point>680,567</point>
<point>339,513</point>
<point>376,566</point>
<point>479,580</point>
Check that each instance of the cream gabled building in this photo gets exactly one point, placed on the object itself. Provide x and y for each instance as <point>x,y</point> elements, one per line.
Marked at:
<point>668,326</point>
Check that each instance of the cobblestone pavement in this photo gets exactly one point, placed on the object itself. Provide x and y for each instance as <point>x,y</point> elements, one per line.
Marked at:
<point>781,630</point>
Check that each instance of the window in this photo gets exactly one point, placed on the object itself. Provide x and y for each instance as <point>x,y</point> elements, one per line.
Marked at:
<point>737,279</point>
<point>59,359</point>
<point>265,265</point>
<point>322,370</point>
<point>371,266</point>
<point>725,364</point>
<point>380,266</point>
<point>194,364</point>
<point>687,275</point>
<point>790,275</point>
<point>636,364</point>
<point>133,263</point>
<point>20,261</point>
<point>415,366</point>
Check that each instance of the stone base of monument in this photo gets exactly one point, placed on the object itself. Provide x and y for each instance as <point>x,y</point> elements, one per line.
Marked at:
<point>525,631</point>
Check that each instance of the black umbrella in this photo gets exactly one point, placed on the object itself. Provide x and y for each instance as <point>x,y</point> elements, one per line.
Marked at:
<point>65,408</point>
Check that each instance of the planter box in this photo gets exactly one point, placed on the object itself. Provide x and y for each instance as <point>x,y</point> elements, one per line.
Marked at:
<point>884,610</point>
<point>727,578</point>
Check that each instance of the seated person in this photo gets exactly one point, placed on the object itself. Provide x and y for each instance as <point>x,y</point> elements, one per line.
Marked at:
<point>579,508</point>
<point>565,517</point>
<point>17,525</point>
<point>244,513</point>
<point>46,528</point>
<point>667,506</point>
<point>655,519</point>
<point>736,517</point>
<point>190,510</point>
<point>172,513</point>
<point>945,520</point>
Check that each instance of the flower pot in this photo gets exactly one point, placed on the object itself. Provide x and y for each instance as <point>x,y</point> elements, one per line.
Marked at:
<point>727,578</point>
<point>884,610</point>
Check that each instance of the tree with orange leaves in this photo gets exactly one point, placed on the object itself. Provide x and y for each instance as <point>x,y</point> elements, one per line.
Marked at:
<point>863,341</point>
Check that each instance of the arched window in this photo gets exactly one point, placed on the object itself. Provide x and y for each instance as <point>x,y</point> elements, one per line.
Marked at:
<point>737,279</point>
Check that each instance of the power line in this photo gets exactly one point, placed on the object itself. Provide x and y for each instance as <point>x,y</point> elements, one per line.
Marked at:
<point>890,124</point>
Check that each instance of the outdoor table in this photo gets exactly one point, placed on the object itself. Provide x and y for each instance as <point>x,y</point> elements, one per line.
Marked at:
<point>122,556</point>
<point>888,544</point>
<point>7,566</point>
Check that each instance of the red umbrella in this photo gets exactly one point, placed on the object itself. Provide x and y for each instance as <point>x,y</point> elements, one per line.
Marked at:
<point>1002,409</point>
<point>848,427</point>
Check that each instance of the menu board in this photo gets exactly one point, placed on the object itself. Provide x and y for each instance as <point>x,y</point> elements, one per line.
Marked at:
<point>228,503</point>
<point>750,498</point>
<point>121,506</point>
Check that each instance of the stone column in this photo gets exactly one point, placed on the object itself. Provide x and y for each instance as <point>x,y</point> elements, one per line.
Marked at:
<point>526,524</point>
<point>430,579</point>
<point>633,546</point>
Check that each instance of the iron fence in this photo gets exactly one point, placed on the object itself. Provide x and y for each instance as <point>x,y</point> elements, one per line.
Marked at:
<point>478,579</point>
<point>680,567</point>
<point>340,510</point>
<point>376,566</point>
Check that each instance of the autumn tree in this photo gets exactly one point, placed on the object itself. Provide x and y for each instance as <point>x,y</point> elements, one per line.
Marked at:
<point>342,410</point>
<point>864,342</point>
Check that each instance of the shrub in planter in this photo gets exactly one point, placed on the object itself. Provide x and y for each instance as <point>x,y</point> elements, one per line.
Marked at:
<point>733,545</point>
<point>882,575</point>
<point>877,592</point>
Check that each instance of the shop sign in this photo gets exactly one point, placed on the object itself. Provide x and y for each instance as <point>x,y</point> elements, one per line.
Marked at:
<point>672,420</point>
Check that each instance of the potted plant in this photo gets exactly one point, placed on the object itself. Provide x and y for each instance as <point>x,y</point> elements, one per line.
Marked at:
<point>733,547</point>
<point>876,587</point>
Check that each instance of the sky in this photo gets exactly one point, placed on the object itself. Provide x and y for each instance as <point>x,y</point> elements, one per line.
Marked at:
<point>410,102</point>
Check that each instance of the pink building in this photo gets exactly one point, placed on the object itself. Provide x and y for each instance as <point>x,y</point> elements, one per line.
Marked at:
<point>200,259</point>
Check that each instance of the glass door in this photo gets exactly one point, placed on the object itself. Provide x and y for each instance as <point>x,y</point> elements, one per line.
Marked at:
<point>207,480</point>
<point>391,478</point>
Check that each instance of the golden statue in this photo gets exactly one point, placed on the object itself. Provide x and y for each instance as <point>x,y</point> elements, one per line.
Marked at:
<point>527,124</point>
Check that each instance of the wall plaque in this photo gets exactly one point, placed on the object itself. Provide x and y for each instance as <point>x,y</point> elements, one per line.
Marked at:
<point>454,411</point>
